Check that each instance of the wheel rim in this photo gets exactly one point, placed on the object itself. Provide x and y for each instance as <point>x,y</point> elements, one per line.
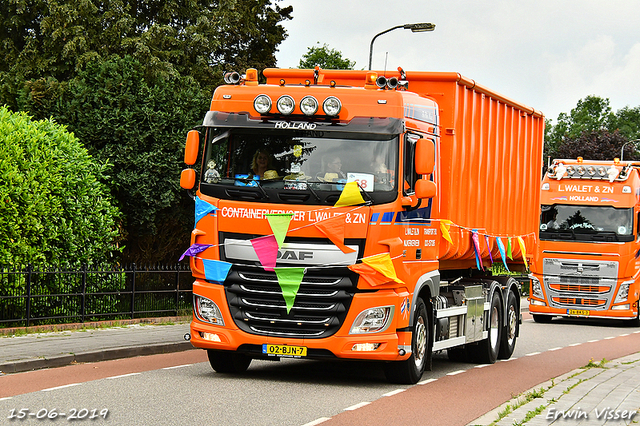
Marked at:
<point>513,325</point>
<point>421,342</point>
<point>495,323</point>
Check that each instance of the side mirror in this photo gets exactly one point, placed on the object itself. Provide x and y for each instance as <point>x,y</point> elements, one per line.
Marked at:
<point>425,188</point>
<point>425,156</point>
<point>188,178</point>
<point>191,147</point>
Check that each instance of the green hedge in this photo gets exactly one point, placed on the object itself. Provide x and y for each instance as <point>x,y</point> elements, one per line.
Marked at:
<point>54,206</point>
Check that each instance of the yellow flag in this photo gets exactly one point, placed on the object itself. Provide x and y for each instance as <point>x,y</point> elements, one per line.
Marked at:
<point>383,264</point>
<point>523,249</point>
<point>350,195</point>
<point>444,228</point>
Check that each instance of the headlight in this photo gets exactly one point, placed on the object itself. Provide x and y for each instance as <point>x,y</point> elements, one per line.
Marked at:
<point>623,292</point>
<point>536,289</point>
<point>285,104</point>
<point>372,320</point>
<point>331,106</point>
<point>206,310</point>
<point>309,105</point>
<point>262,104</point>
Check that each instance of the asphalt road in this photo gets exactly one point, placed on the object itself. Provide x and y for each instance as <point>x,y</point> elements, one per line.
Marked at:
<point>181,388</point>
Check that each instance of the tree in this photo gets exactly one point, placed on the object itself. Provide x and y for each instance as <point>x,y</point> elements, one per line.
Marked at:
<point>627,122</point>
<point>58,38</point>
<point>129,79</point>
<point>139,125</point>
<point>325,58</point>
<point>595,145</point>
<point>591,114</point>
<point>54,207</point>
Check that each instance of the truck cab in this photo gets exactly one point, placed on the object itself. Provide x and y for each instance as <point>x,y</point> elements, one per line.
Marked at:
<point>587,262</point>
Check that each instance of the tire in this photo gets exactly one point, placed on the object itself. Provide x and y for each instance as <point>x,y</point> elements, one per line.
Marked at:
<point>227,362</point>
<point>511,329</point>
<point>487,350</point>
<point>542,319</point>
<point>410,370</point>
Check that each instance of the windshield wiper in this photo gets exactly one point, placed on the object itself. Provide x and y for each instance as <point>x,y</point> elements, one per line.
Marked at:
<point>258,185</point>
<point>605,236</point>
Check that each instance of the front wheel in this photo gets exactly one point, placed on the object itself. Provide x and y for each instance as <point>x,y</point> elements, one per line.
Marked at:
<point>410,370</point>
<point>228,362</point>
<point>510,333</point>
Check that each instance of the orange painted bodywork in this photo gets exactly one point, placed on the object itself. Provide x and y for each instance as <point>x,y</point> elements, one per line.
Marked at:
<point>488,167</point>
<point>588,295</point>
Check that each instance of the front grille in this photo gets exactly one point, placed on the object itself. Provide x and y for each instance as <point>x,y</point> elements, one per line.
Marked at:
<point>570,301</point>
<point>321,304</point>
<point>585,284</point>
<point>580,288</point>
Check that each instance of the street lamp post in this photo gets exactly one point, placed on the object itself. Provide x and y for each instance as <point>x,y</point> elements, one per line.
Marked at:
<point>415,28</point>
<point>625,144</point>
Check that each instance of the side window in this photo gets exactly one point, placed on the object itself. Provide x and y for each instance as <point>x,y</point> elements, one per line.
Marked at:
<point>410,175</point>
<point>637,227</point>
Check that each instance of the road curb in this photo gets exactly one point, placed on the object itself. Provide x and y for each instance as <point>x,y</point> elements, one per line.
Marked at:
<point>93,356</point>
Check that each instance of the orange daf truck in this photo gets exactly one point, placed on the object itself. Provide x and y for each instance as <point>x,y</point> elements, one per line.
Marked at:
<point>587,261</point>
<point>348,214</point>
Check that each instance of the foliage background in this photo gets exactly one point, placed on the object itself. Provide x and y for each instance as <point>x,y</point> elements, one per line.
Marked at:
<point>129,79</point>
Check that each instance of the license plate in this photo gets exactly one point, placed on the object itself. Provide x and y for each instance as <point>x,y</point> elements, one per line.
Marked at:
<point>578,312</point>
<point>284,350</point>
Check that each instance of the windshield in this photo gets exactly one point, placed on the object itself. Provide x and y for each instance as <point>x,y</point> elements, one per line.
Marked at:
<point>586,223</point>
<point>310,167</point>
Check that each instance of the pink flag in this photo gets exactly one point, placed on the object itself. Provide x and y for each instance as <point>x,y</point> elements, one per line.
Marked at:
<point>267,250</point>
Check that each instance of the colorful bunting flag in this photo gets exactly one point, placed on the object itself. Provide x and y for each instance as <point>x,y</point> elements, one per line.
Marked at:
<point>486,239</point>
<point>383,264</point>
<point>194,249</point>
<point>502,253</point>
<point>370,275</point>
<point>444,229</point>
<point>289,280</point>
<point>279,223</point>
<point>523,250</point>
<point>334,230</point>
<point>266,249</point>
<point>350,195</point>
<point>509,254</point>
<point>203,208</point>
<point>216,270</point>
<point>476,248</point>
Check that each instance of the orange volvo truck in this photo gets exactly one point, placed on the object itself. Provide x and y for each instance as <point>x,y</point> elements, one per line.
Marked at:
<point>587,261</point>
<point>397,191</point>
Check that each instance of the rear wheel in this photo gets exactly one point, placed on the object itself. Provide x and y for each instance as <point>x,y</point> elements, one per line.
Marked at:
<point>410,370</point>
<point>510,333</point>
<point>228,362</point>
<point>487,350</point>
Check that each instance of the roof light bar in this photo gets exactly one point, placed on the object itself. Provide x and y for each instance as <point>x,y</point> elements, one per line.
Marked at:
<point>585,171</point>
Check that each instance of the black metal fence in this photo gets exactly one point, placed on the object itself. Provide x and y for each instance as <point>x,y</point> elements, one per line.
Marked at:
<point>45,295</point>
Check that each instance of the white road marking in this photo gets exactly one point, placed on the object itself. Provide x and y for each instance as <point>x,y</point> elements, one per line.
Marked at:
<point>355,407</point>
<point>61,387</point>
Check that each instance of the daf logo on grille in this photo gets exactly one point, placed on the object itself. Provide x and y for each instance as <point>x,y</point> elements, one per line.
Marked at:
<point>294,255</point>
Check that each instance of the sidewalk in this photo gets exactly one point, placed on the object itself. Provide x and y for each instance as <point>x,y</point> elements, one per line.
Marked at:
<point>56,349</point>
<point>602,394</point>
